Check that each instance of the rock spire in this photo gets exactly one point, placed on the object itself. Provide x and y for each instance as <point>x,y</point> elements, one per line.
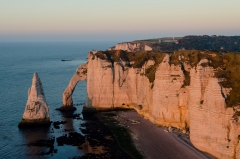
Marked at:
<point>36,111</point>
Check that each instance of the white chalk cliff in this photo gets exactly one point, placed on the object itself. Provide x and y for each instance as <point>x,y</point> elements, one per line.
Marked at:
<point>198,107</point>
<point>36,109</point>
<point>131,47</point>
<point>80,74</point>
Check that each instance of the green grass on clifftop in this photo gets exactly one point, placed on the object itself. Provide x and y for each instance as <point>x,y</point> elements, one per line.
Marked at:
<point>231,74</point>
<point>137,58</point>
<point>226,65</point>
<point>141,57</point>
<point>193,57</point>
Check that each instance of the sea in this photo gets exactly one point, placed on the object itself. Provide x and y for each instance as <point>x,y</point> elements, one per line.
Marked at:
<point>18,62</point>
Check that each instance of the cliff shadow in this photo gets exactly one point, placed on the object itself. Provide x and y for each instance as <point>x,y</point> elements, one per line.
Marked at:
<point>38,141</point>
<point>67,118</point>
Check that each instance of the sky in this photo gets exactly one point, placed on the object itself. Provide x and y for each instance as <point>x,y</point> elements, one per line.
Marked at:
<point>118,20</point>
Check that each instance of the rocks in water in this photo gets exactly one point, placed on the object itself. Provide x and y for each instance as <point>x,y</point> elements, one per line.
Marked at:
<point>57,123</point>
<point>36,111</point>
<point>66,108</point>
<point>73,138</point>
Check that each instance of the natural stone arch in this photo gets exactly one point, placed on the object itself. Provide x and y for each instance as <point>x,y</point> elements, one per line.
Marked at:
<point>80,75</point>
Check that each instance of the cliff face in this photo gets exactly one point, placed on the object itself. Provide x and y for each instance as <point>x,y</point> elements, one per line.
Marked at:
<point>182,92</point>
<point>111,85</point>
<point>131,47</point>
<point>165,108</point>
<point>212,128</point>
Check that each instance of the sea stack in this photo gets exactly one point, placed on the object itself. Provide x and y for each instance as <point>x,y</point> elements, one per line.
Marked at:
<point>36,111</point>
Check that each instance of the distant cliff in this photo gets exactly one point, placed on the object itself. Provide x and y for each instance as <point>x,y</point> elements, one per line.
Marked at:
<point>171,44</point>
<point>196,91</point>
<point>131,47</point>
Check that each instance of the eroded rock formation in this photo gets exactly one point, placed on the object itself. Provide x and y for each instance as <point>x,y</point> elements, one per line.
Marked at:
<point>36,111</point>
<point>180,90</point>
<point>131,47</point>
<point>79,75</point>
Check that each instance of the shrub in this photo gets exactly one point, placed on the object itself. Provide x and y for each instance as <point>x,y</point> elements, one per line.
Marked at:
<point>227,65</point>
<point>231,74</point>
<point>139,58</point>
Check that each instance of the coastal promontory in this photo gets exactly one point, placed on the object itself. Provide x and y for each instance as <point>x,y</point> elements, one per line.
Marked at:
<point>195,90</point>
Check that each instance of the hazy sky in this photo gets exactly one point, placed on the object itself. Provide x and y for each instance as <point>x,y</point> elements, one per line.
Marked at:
<point>120,20</point>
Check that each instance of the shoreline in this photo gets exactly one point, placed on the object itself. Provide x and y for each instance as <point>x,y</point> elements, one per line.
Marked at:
<point>155,141</point>
<point>115,134</point>
<point>121,134</point>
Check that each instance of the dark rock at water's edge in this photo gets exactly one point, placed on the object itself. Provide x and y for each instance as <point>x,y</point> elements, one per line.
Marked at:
<point>88,110</point>
<point>34,123</point>
<point>66,108</point>
<point>73,138</point>
<point>99,140</point>
<point>93,138</point>
<point>57,123</point>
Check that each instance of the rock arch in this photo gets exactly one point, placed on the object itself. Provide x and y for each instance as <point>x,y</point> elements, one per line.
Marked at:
<point>80,75</point>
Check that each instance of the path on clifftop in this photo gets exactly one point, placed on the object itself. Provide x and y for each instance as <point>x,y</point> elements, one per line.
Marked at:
<point>157,143</point>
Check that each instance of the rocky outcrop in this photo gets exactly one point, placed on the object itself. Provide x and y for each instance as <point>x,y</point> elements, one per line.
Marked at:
<point>127,46</point>
<point>36,111</point>
<point>79,75</point>
<point>131,47</point>
<point>147,48</point>
<point>212,127</point>
<point>184,93</point>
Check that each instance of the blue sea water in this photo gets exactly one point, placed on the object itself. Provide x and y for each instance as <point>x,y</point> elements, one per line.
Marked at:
<point>18,62</point>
